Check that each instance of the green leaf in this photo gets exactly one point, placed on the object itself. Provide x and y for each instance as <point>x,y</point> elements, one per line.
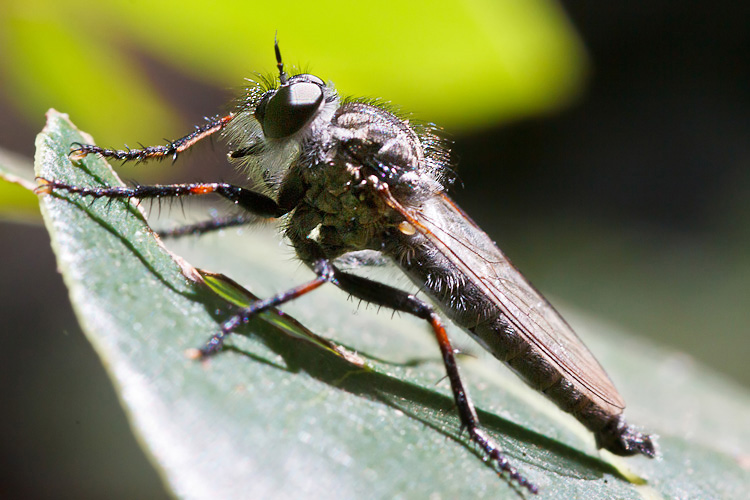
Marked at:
<point>280,416</point>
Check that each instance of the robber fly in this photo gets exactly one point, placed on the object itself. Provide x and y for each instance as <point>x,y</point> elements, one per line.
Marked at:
<point>349,176</point>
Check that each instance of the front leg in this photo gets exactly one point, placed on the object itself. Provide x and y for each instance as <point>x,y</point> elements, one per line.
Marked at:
<point>172,148</point>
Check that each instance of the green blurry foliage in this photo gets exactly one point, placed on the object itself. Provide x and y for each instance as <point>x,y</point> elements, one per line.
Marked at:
<point>459,64</point>
<point>17,202</point>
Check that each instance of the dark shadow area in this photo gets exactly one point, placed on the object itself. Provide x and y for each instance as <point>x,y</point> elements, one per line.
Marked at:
<point>66,435</point>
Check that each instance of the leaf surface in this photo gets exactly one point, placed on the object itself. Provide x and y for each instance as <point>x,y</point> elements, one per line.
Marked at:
<point>278,415</point>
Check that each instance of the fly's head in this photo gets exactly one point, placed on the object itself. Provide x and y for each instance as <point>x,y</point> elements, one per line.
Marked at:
<point>286,110</point>
<point>287,123</point>
<point>276,120</point>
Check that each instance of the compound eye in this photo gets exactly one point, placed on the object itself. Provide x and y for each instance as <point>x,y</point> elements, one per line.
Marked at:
<point>260,109</point>
<point>288,109</point>
<point>312,79</point>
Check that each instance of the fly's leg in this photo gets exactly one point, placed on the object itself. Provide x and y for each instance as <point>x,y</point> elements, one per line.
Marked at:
<point>325,274</point>
<point>207,226</point>
<point>258,204</point>
<point>393,298</point>
<point>172,148</point>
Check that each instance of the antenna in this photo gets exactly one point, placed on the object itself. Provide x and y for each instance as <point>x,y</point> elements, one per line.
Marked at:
<point>279,64</point>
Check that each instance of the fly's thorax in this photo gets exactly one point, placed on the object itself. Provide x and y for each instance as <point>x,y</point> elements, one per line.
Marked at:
<point>372,131</point>
<point>367,147</point>
<point>351,213</point>
<point>375,143</point>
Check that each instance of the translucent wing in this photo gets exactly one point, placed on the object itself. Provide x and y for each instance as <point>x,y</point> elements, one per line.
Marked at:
<point>464,244</point>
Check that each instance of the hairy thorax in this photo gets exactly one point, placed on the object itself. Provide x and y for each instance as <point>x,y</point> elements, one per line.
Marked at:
<point>367,147</point>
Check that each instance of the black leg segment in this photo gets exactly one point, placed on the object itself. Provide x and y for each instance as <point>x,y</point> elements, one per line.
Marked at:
<point>256,203</point>
<point>207,226</point>
<point>322,268</point>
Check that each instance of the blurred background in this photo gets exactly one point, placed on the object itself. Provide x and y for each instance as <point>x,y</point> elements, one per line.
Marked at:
<point>605,147</point>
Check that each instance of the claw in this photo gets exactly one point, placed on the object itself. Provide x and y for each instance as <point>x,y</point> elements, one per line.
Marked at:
<point>194,354</point>
<point>77,155</point>
<point>44,186</point>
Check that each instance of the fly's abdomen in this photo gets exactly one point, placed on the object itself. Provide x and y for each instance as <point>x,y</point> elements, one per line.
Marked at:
<point>470,307</point>
<point>533,367</point>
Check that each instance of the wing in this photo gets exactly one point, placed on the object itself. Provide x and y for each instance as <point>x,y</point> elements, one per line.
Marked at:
<point>469,248</point>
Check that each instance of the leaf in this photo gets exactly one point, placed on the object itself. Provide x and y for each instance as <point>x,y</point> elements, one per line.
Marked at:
<point>279,416</point>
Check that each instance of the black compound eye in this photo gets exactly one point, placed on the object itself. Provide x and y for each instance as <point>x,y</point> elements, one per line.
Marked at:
<point>310,78</point>
<point>286,110</point>
<point>260,109</point>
